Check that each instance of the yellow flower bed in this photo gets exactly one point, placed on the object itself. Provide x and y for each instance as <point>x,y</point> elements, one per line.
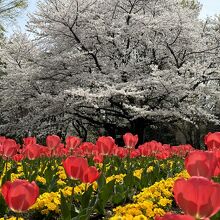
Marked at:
<point>152,201</point>
<point>48,202</point>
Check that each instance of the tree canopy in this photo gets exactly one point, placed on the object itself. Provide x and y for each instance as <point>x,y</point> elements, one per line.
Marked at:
<point>112,64</point>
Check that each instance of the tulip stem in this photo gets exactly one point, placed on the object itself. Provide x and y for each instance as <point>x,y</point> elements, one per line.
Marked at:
<point>104,165</point>
<point>86,187</point>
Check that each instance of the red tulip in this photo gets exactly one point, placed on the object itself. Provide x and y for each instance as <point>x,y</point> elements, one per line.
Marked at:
<point>217,169</point>
<point>9,148</point>
<point>130,140</point>
<point>32,151</point>
<point>75,167</point>
<point>72,142</point>
<point>135,153</point>
<point>197,196</point>
<point>163,155</point>
<point>150,148</point>
<point>45,151</point>
<point>53,141</point>
<point>181,150</point>
<point>201,163</point>
<point>90,175</point>
<point>212,140</point>
<point>78,152</point>
<point>2,140</point>
<point>29,140</point>
<point>61,151</point>
<point>121,152</point>
<point>88,148</point>
<point>98,158</point>
<point>18,157</point>
<point>105,145</point>
<point>170,216</point>
<point>20,195</point>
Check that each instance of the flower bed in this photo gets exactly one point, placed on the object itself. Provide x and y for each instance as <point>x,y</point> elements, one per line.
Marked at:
<point>75,180</point>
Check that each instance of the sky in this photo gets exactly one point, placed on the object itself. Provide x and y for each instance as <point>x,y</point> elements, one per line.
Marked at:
<point>210,8</point>
<point>22,18</point>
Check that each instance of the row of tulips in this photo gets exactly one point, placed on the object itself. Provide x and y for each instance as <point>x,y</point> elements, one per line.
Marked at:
<point>104,146</point>
<point>80,161</point>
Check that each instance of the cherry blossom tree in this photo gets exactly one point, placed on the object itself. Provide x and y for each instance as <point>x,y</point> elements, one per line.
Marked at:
<point>116,64</point>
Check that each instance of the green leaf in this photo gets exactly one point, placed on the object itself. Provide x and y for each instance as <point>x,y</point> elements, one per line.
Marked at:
<point>101,181</point>
<point>128,179</point>
<point>48,174</point>
<point>3,206</point>
<point>107,191</point>
<point>65,207</point>
<point>51,179</point>
<point>83,215</point>
<point>118,198</point>
<point>85,198</point>
<point>7,176</point>
<point>216,216</point>
<point>104,196</point>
